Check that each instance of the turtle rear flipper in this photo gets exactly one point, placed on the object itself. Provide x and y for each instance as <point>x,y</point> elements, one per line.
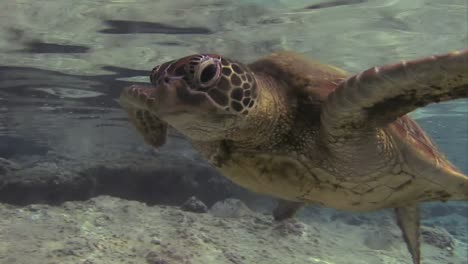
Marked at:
<point>408,221</point>
<point>286,209</point>
<point>380,95</point>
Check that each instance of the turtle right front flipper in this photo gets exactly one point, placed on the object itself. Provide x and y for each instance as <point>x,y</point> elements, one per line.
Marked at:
<point>153,129</point>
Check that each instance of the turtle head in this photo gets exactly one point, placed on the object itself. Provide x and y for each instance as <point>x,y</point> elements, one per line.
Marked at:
<point>204,96</point>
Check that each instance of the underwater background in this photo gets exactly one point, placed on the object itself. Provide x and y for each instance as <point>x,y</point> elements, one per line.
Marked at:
<point>79,185</point>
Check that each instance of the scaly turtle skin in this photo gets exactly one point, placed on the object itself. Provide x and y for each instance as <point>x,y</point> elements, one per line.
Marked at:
<point>309,133</point>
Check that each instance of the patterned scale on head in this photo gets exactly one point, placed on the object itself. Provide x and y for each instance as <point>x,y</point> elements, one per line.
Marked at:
<point>206,97</point>
<point>229,84</point>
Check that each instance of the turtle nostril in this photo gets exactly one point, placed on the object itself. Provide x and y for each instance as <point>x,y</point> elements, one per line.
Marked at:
<point>208,73</point>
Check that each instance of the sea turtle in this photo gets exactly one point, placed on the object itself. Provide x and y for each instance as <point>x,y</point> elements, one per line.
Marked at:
<point>309,133</point>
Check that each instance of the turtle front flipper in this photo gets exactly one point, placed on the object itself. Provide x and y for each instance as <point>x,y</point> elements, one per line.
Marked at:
<point>153,129</point>
<point>135,101</point>
<point>408,221</point>
<point>380,95</point>
<point>368,137</point>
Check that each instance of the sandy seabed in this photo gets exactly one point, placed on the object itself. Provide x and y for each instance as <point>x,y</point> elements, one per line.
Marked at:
<point>111,230</point>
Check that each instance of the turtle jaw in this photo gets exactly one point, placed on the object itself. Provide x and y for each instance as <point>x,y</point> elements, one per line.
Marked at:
<point>165,100</point>
<point>193,113</point>
<point>137,97</point>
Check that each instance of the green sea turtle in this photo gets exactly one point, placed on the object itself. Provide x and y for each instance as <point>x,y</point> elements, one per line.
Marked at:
<point>309,133</point>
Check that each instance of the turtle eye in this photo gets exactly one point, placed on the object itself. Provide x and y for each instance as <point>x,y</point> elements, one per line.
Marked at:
<point>208,73</point>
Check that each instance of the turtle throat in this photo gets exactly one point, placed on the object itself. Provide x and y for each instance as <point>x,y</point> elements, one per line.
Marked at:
<point>267,122</point>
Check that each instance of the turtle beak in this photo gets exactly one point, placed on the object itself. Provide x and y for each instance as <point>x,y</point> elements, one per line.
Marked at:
<point>137,97</point>
<point>166,99</point>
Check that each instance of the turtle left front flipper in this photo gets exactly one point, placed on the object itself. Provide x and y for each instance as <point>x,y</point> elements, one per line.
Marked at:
<point>363,122</point>
<point>379,95</point>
